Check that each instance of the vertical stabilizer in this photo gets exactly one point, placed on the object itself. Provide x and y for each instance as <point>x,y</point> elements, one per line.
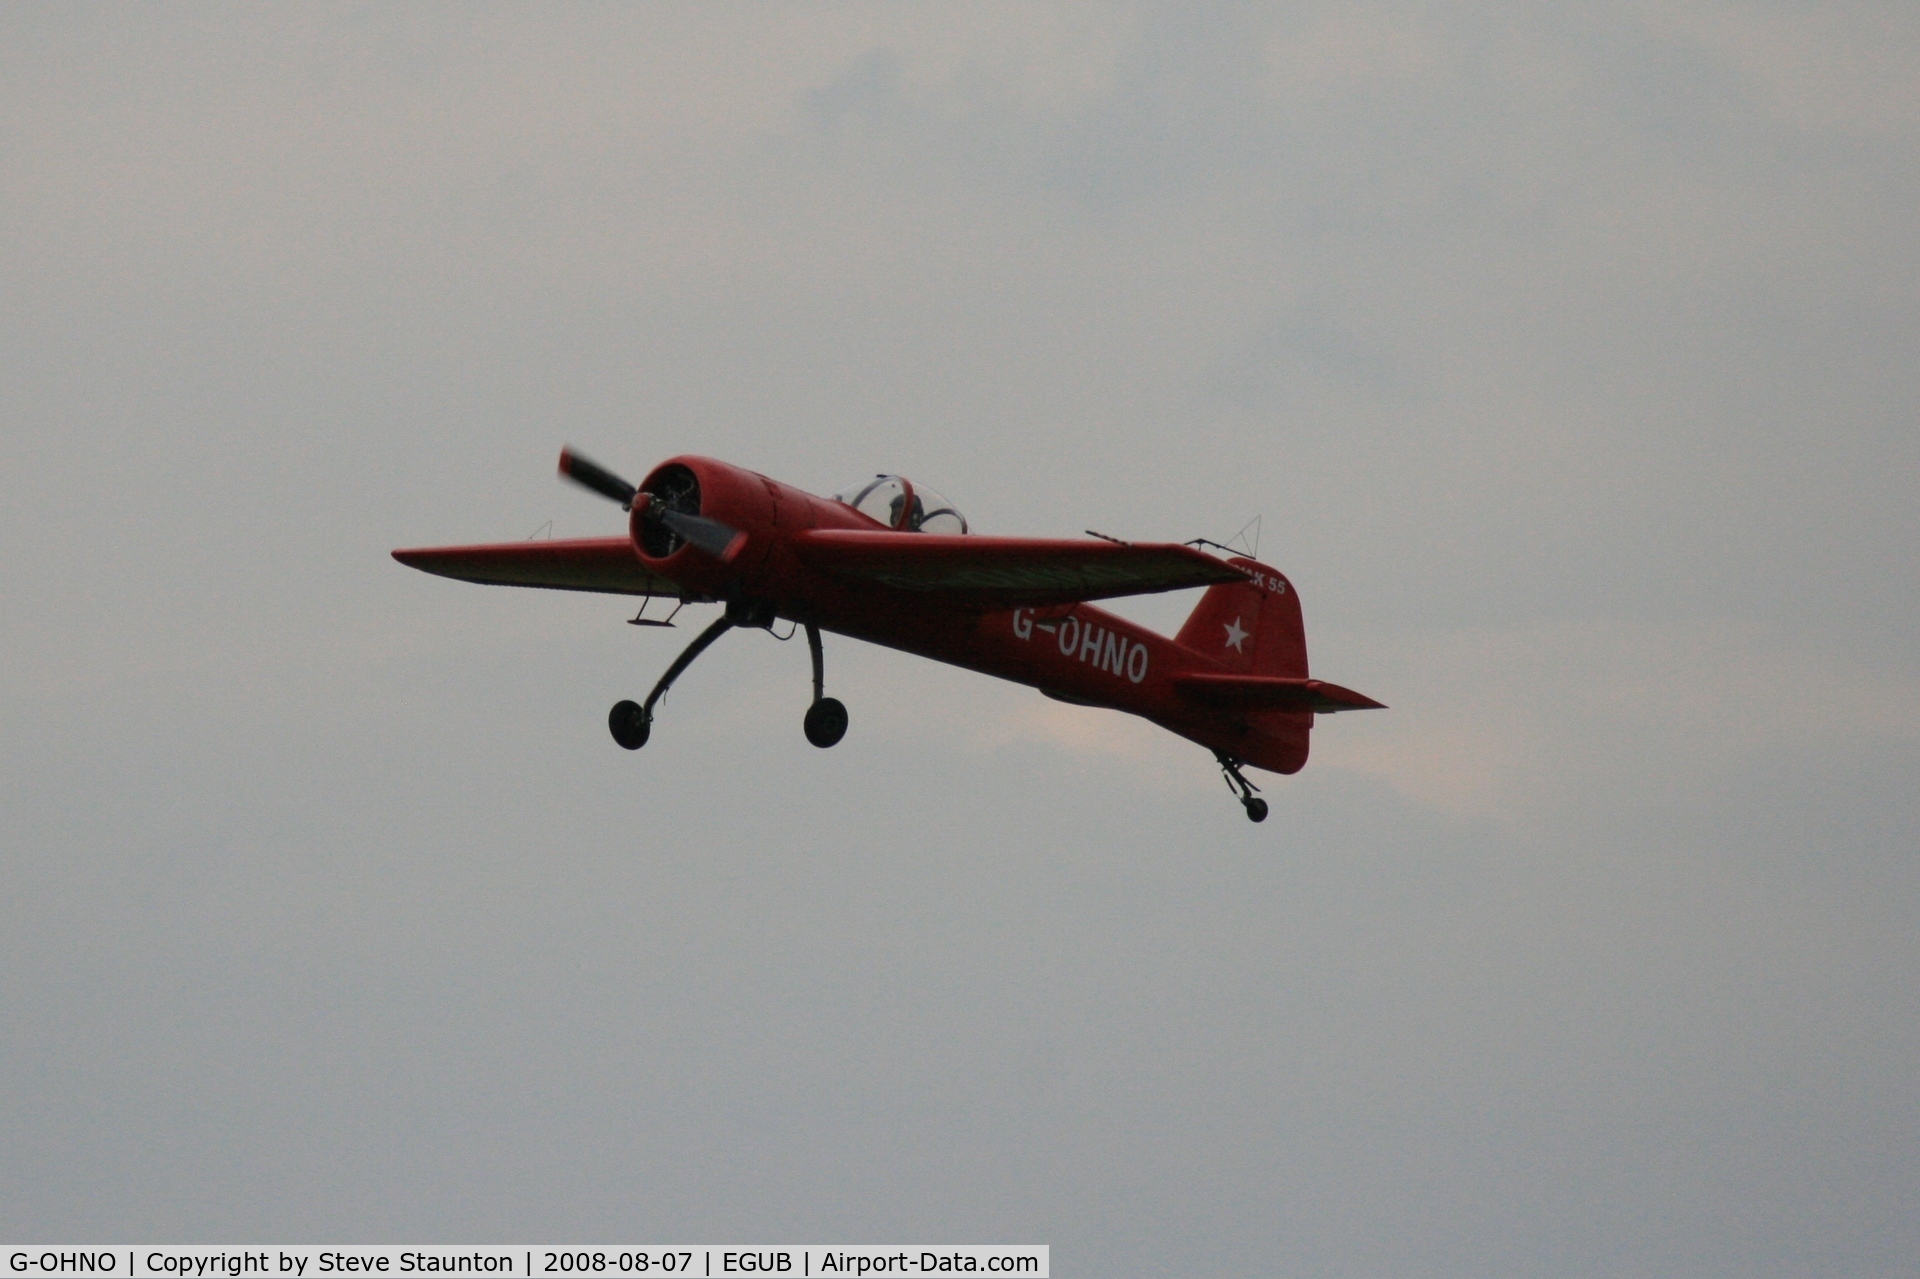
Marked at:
<point>1252,627</point>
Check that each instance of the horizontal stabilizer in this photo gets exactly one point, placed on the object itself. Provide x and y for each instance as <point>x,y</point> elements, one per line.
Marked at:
<point>994,573</point>
<point>604,564</point>
<point>1270,693</point>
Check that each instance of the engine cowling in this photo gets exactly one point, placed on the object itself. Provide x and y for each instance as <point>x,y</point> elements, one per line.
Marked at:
<point>705,487</point>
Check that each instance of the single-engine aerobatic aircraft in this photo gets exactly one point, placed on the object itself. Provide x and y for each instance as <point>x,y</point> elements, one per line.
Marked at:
<point>892,563</point>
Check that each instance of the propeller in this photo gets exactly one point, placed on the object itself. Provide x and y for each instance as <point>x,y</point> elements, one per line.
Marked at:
<point>721,541</point>
<point>590,474</point>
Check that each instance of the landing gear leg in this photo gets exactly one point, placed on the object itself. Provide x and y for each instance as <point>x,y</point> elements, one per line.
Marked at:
<point>1237,782</point>
<point>630,722</point>
<point>826,721</point>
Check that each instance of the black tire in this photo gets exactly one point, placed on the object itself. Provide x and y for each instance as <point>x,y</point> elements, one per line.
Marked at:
<point>1256,810</point>
<point>629,724</point>
<point>826,722</point>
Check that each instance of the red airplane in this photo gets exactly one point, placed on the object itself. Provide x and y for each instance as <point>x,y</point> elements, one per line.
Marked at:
<point>893,563</point>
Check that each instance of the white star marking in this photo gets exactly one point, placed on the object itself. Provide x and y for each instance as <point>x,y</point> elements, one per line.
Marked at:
<point>1235,636</point>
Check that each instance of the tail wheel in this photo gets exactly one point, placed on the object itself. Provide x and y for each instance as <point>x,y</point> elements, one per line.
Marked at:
<point>1256,810</point>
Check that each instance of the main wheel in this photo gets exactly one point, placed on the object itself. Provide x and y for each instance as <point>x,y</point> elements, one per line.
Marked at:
<point>1256,810</point>
<point>826,722</point>
<point>628,723</point>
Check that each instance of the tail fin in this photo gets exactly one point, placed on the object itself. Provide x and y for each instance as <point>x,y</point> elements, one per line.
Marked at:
<point>1251,627</point>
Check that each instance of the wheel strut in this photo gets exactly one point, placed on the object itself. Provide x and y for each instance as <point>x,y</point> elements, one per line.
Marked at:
<point>819,661</point>
<point>1237,782</point>
<point>630,722</point>
<point>826,721</point>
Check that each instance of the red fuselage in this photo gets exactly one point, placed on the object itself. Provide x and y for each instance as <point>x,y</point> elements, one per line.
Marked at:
<point>1076,653</point>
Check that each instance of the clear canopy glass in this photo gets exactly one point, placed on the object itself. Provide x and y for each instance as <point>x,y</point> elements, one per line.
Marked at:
<point>899,503</point>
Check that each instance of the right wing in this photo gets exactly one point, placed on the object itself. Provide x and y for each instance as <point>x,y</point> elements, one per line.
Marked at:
<point>604,564</point>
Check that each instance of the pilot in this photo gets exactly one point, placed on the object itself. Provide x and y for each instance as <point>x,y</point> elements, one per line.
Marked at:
<point>914,517</point>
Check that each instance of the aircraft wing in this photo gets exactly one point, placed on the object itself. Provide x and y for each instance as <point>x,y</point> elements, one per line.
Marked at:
<point>1270,693</point>
<point>604,564</point>
<point>988,574</point>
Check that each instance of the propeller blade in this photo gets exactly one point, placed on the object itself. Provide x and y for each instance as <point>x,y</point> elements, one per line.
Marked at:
<point>590,474</point>
<point>716,539</point>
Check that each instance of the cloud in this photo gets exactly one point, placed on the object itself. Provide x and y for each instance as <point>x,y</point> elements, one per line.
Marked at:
<point>1837,68</point>
<point>1532,726</point>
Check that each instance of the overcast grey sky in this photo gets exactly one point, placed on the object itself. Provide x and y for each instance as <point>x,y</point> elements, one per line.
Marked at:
<point>1568,352</point>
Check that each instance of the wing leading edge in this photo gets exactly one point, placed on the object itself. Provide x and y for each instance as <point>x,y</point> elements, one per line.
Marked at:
<point>993,573</point>
<point>604,564</point>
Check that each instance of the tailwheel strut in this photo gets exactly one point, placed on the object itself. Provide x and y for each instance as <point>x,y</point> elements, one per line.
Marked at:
<point>1237,782</point>
<point>826,721</point>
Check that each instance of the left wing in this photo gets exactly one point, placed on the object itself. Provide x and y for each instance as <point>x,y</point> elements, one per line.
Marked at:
<point>993,573</point>
<point>605,564</point>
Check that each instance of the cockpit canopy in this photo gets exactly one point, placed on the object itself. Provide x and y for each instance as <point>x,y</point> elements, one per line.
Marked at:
<point>899,503</point>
